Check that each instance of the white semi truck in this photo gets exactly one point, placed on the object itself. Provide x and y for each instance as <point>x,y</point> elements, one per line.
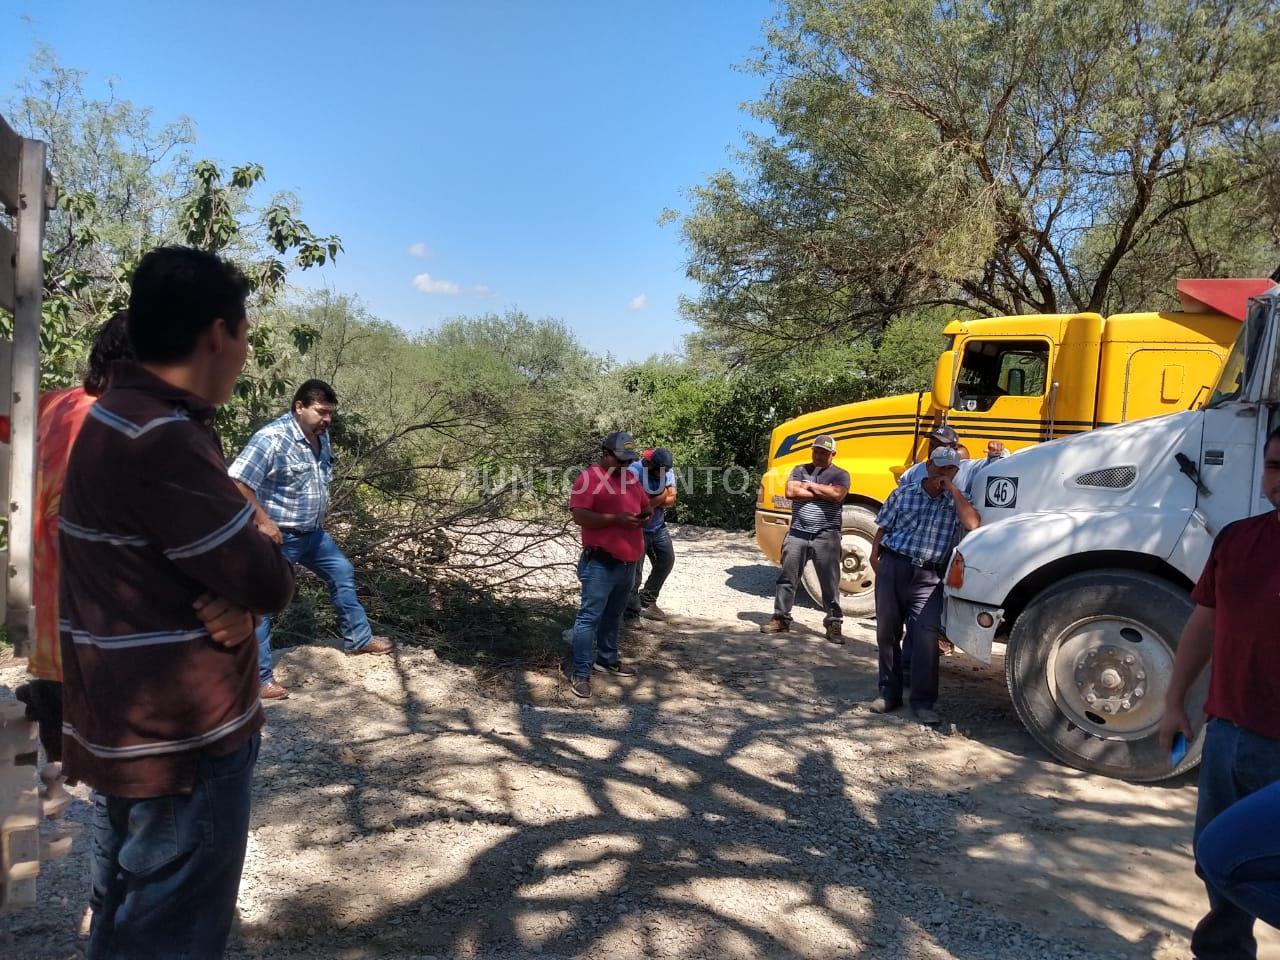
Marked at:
<point>1087,553</point>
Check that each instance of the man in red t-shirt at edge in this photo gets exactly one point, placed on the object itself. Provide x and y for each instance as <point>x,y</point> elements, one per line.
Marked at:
<point>609,503</point>
<point>1233,629</point>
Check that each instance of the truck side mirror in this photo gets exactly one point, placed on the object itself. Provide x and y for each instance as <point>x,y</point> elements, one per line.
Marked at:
<point>942,379</point>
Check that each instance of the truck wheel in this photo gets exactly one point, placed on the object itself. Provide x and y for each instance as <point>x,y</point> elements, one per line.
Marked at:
<point>1088,664</point>
<point>857,579</point>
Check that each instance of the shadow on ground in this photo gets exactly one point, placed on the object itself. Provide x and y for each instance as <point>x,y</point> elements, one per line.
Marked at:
<point>735,800</point>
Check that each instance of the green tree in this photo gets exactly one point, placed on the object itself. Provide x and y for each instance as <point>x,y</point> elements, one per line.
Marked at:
<point>1000,157</point>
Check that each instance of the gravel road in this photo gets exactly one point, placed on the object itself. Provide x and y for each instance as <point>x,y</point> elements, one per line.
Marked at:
<point>734,800</point>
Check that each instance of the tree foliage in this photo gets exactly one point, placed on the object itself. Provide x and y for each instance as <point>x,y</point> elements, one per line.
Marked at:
<point>1003,157</point>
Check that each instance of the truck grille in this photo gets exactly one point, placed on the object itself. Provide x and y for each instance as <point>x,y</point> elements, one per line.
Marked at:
<point>1116,478</point>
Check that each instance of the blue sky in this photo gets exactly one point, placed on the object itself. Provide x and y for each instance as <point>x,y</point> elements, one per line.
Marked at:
<point>472,156</point>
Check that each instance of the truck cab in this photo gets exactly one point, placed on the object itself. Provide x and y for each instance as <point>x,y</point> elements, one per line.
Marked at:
<point>1089,547</point>
<point>1020,380</point>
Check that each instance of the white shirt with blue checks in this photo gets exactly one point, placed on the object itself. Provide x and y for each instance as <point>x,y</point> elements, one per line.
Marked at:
<point>917,525</point>
<point>288,478</point>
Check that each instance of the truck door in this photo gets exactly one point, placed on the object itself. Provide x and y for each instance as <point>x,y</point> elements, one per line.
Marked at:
<point>1002,391</point>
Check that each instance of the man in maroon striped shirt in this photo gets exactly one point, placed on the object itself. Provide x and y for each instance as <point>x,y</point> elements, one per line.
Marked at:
<point>163,571</point>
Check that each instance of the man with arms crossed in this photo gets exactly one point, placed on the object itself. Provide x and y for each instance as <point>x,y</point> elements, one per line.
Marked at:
<point>161,711</point>
<point>816,490</point>
<point>1232,630</point>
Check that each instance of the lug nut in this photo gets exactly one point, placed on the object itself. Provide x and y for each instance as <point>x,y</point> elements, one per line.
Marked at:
<point>1138,691</point>
<point>1106,708</point>
<point>1141,675</point>
<point>1089,698</point>
<point>1124,704</point>
<point>1130,658</point>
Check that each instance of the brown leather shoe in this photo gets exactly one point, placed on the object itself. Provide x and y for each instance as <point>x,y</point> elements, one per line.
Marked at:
<point>273,691</point>
<point>834,634</point>
<point>775,625</point>
<point>379,646</point>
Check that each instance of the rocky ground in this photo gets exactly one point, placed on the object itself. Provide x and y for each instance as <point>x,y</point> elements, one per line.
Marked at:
<point>734,800</point>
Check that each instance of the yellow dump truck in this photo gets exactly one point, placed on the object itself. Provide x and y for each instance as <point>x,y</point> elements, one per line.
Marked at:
<point>1020,380</point>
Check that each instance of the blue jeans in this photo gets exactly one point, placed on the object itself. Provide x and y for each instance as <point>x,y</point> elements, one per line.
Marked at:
<point>165,871</point>
<point>605,590</point>
<point>1239,854</point>
<point>1236,763</point>
<point>318,553</point>
<point>662,557</point>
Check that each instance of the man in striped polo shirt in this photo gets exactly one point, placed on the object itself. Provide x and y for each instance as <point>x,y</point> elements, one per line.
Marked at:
<point>816,490</point>
<point>163,571</point>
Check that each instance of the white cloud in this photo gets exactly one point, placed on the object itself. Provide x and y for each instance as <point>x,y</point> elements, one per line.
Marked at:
<point>638,303</point>
<point>419,249</point>
<point>483,291</point>
<point>424,283</point>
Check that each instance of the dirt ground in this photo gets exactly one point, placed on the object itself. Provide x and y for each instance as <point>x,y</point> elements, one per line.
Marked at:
<point>734,800</point>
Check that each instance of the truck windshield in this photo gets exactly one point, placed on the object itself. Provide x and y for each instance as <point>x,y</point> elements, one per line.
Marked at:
<point>1243,358</point>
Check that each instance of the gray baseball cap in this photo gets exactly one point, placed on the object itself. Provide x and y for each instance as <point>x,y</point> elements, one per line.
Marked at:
<point>622,445</point>
<point>944,457</point>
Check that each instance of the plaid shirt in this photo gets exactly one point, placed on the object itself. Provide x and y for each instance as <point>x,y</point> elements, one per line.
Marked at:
<point>286,476</point>
<point>918,525</point>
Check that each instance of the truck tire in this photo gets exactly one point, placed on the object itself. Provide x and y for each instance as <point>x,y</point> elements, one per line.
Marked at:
<point>1088,664</point>
<point>857,579</point>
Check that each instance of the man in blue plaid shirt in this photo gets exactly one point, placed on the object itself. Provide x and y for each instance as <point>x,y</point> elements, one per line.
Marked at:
<point>285,471</point>
<point>919,526</point>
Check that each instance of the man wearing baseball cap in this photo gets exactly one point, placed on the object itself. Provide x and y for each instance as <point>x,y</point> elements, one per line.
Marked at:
<point>945,436</point>
<point>919,526</point>
<point>654,470</point>
<point>816,490</point>
<point>609,503</point>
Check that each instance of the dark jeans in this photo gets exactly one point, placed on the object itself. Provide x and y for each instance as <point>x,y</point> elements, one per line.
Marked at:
<point>165,871</point>
<point>908,597</point>
<point>1236,763</point>
<point>318,553</point>
<point>824,551</point>
<point>605,589</point>
<point>662,557</point>
<point>1239,854</point>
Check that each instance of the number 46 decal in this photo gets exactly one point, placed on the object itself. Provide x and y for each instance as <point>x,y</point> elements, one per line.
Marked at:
<point>1002,491</point>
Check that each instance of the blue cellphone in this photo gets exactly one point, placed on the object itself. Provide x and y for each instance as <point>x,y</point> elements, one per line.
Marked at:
<point>1179,751</point>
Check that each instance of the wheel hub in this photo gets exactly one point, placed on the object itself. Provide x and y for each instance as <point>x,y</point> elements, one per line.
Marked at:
<point>1109,676</point>
<point>856,575</point>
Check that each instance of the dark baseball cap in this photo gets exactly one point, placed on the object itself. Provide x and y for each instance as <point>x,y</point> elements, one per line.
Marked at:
<point>622,445</point>
<point>659,457</point>
<point>945,434</point>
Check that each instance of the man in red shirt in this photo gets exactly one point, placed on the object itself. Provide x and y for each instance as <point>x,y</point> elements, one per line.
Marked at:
<point>1233,630</point>
<point>611,506</point>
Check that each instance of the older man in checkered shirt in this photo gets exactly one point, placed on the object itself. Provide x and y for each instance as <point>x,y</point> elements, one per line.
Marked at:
<point>919,526</point>
<point>285,471</point>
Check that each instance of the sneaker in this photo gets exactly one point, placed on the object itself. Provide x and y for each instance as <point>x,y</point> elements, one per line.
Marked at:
<point>926,716</point>
<point>834,634</point>
<point>881,705</point>
<point>653,612</point>
<point>581,687</point>
<point>945,647</point>
<point>775,625</point>
<point>617,669</point>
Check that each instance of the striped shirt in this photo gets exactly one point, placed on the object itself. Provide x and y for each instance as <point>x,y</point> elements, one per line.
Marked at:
<point>150,521</point>
<point>922,527</point>
<point>818,516</point>
<point>288,477</point>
